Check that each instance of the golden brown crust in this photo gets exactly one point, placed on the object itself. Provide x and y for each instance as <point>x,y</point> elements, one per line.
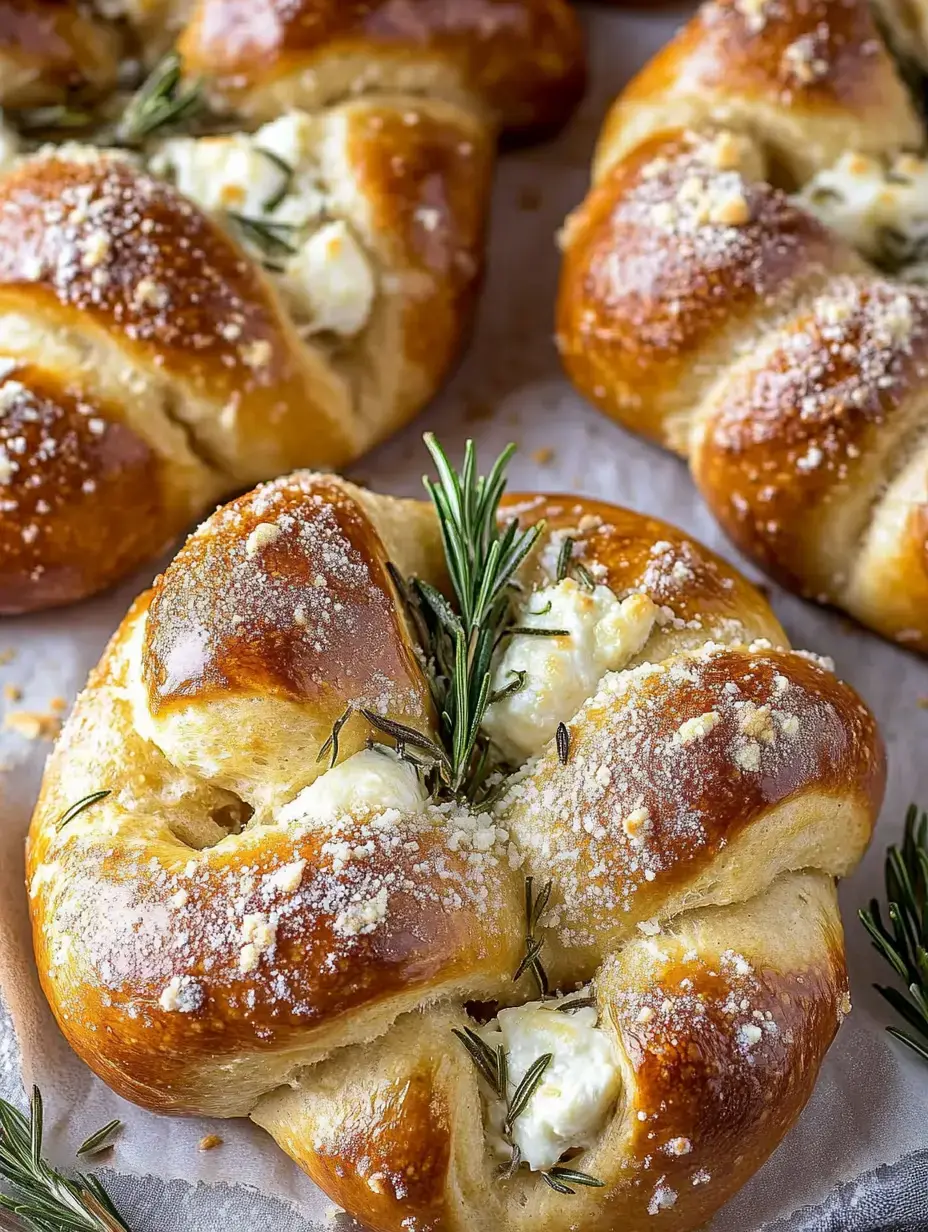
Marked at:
<point>658,290</point>
<point>810,79</point>
<point>242,376</point>
<point>794,454</point>
<point>706,309</point>
<point>721,1049</point>
<point>212,937</point>
<point>523,62</point>
<point>162,314</point>
<point>67,466</point>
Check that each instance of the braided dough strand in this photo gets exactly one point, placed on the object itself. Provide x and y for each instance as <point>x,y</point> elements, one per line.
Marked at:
<point>220,935</point>
<point>703,304</point>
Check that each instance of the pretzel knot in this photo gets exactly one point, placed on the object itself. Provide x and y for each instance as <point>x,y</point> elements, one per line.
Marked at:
<point>281,284</point>
<point>242,929</point>
<point>742,285</point>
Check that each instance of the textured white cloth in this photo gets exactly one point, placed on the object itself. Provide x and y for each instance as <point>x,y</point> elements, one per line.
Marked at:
<point>871,1106</point>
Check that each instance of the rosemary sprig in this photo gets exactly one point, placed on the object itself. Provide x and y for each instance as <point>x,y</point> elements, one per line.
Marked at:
<point>40,1196</point>
<point>534,909</point>
<point>903,942</point>
<point>79,806</point>
<point>482,561</point>
<point>160,104</point>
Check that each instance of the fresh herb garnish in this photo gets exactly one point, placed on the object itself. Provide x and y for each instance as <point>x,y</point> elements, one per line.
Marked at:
<point>492,1065</point>
<point>903,942</point>
<point>566,563</point>
<point>557,1177</point>
<point>102,1140</point>
<point>515,685</point>
<point>271,239</point>
<point>578,1003</point>
<point>40,1196</point>
<point>285,184</point>
<point>562,740</point>
<point>534,909</point>
<point>162,103</point>
<point>77,808</point>
<point>482,561</point>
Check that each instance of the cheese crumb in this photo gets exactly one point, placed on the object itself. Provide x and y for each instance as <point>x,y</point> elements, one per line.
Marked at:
<point>697,729</point>
<point>183,995</point>
<point>287,878</point>
<point>263,535</point>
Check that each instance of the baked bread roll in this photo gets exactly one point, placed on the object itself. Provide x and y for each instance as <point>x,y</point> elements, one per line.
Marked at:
<point>187,316</point>
<point>266,913</point>
<point>742,284</point>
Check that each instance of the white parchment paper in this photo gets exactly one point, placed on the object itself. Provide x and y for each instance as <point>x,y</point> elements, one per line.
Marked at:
<point>871,1105</point>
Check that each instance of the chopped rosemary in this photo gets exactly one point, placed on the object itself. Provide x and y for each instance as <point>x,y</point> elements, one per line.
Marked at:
<point>514,686</point>
<point>557,1177</point>
<point>563,559</point>
<point>40,1196</point>
<point>584,577</point>
<point>534,909</point>
<point>578,1003</point>
<point>271,239</point>
<point>286,182</point>
<point>331,742</point>
<point>566,563</point>
<point>562,740</point>
<point>76,809</point>
<point>490,1062</point>
<point>161,103</point>
<point>530,631</point>
<point>527,1087</point>
<point>102,1140</point>
<point>903,942</point>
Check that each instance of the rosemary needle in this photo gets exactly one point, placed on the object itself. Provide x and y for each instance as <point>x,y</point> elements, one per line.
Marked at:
<point>903,942</point>
<point>41,1197</point>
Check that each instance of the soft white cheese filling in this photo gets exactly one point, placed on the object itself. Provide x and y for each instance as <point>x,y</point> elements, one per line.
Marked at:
<point>602,634</point>
<point>271,176</point>
<point>571,1104</point>
<point>367,782</point>
<point>880,208</point>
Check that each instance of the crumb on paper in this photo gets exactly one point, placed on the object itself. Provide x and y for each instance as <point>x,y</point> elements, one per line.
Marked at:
<point>209,1143</point>
<point>543,456</point>
<point>12,692</point>
<point>57,704</point>
<point>32,725</point>
<point>923,703</point>
<point>7,656</point>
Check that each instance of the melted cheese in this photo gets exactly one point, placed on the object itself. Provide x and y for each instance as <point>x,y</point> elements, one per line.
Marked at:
<point>571,1104</point>
<point>882,210</point>
<point>368,782</point>
<point>603,634</point>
